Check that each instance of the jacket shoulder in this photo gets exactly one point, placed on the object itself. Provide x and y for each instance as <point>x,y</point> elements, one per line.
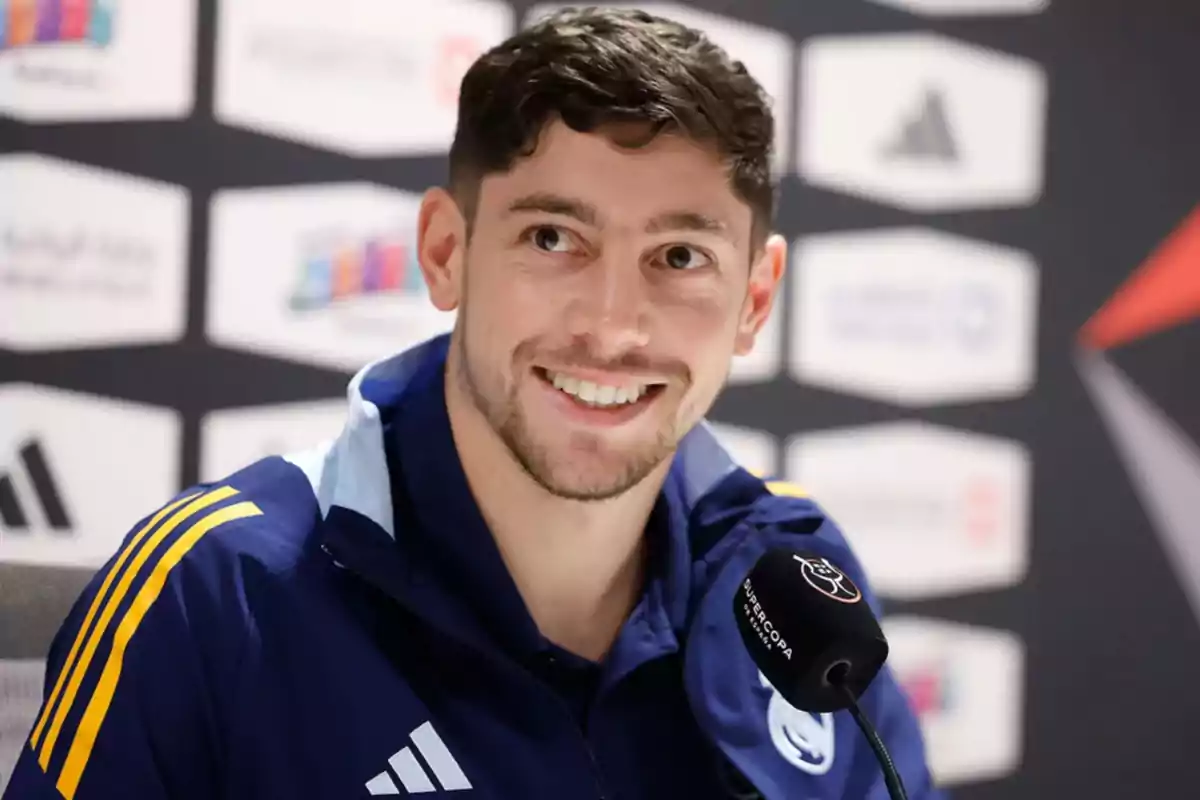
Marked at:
<point>745,499</point>
<point>265,513</point>
<point>192,562</point>
<point>131,673</point>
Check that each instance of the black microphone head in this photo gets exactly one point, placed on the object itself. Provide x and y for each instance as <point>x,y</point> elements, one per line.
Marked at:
<point>807,627</point>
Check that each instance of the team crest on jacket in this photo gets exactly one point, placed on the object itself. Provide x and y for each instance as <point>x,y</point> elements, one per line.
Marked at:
<point>805,740</point>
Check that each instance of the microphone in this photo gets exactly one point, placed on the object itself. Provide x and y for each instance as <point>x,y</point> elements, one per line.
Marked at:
<point>810,632</point>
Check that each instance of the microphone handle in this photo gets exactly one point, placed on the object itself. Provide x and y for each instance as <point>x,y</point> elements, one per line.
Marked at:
<point>891,775</point>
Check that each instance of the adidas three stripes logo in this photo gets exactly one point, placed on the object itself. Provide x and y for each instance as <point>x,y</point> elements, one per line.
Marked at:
<point>412,775</point>
<point>32,470</point>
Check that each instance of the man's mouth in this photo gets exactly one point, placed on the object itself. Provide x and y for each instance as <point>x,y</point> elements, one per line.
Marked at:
<point>600,395</point>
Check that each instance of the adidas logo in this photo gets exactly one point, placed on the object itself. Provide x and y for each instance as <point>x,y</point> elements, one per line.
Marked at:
<point>926,135</point>
<point>412,775</point>
<point>33,477</point>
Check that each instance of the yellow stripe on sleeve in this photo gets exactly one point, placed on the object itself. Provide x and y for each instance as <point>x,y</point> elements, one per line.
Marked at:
<point>97,708</point>
<point>786,489</point>
<point>81,634</point>
<point>780,488</point>
<point>110,608</point>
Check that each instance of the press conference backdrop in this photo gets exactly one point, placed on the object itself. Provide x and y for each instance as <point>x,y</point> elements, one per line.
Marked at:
<point>984,363</point>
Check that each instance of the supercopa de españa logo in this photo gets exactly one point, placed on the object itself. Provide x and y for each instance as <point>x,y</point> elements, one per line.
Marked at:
<point>756,615</point>
<point>828,579</point>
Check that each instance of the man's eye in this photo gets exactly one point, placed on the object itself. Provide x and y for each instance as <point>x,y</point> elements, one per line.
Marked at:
<point>550,239</point>
<point>682,257</point>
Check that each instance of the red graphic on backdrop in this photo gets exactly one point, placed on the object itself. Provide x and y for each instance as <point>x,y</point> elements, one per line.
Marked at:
<point>1162,293</point>
<point>1162,462</point>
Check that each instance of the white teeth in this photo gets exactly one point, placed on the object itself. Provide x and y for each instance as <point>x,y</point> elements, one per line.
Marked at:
<point>596,394</point>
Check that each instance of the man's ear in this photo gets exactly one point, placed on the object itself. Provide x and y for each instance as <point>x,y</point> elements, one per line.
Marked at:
<point>442,247</point>
<point>766,276</point>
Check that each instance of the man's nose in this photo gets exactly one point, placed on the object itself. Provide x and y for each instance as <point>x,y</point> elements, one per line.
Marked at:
<point>610,309</point>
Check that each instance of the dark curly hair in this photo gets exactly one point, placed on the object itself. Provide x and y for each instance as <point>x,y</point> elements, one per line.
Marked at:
<point>594,67</point>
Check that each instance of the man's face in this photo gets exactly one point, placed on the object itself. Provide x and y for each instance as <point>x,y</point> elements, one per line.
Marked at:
<point>601,298</point>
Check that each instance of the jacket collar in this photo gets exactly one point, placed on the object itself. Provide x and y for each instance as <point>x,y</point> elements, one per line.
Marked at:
<point>351,472</point>
<point>367,489</point>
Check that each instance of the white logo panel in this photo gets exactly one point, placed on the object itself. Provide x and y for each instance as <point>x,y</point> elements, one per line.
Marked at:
<point>930,511</point>
<point>323,275</point>
<point>921,122</point>
<point>767,54</point>
<point>234,438</point>
<point>88,257</point>
<point>365,77</point>
<point>97,60</point>
<point>968,8</point>
<point>753,450</point>
<point>966,685</point>
<point>21,682</point>
<point>913,316</point>
<point>77,471</point>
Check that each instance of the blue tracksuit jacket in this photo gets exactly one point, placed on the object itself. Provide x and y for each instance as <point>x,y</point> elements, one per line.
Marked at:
<point>340,625</point>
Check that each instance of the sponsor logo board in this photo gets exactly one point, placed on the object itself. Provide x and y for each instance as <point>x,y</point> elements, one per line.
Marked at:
<point>913,316</point>
<point>76,472</point>
<point>97,60</point>
<point>89,257</point>
<point>966,685</point>
<point>336,282</point>
<point>363,77</point>
<point>930,511</point>
<point>921,122</point>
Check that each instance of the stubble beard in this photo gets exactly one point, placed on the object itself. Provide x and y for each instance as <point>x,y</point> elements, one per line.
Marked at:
<point>504,415</point>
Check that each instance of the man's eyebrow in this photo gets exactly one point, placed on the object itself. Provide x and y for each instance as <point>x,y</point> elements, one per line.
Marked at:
<point>548,203</point>
<point>687,221</point>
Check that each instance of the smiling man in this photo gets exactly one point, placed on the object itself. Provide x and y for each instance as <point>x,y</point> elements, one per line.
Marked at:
<point>512,575</point>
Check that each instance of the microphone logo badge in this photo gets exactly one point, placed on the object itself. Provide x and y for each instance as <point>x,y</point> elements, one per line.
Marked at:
<point>828,579</point>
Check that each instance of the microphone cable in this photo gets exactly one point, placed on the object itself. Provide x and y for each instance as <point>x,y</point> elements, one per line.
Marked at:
<point>891,775</point>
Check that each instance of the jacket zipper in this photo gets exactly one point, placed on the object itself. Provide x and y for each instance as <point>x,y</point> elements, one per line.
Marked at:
<point>597,776</point>
<point>540,687</point>
<point>502,665</point>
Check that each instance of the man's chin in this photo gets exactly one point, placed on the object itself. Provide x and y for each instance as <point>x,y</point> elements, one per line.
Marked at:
<point>586,491</point>
<point>573,480</point>
<point>582,465</point>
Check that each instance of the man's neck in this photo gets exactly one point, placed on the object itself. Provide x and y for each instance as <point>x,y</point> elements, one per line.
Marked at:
<point>579,566</point>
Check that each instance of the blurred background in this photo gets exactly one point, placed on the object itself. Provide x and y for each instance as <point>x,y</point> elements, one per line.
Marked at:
<point>985,364</point>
